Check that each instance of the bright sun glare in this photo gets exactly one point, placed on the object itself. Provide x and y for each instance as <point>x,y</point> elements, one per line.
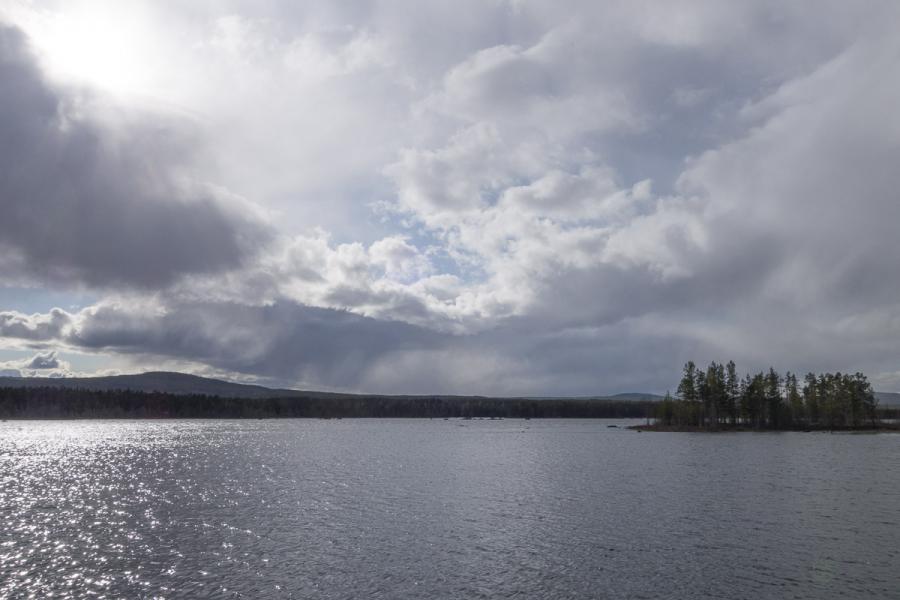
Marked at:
<point>98,48</point>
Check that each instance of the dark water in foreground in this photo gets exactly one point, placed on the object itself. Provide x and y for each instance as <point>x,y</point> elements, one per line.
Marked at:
<point>443,509</point>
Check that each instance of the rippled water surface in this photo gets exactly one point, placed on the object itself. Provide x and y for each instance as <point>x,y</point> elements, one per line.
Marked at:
<point>443,509</point>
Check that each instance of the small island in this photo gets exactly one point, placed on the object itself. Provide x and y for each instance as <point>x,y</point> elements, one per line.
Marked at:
<point>717,399</point>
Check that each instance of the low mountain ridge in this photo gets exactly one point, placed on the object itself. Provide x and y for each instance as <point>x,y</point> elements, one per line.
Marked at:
<point>156,381</point>
<point>888,398</point>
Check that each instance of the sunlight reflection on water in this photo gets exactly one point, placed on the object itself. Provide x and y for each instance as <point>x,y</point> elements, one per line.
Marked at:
<point>407,509</point>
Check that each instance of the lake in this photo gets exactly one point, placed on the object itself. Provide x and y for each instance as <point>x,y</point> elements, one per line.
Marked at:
<point>443,509</point>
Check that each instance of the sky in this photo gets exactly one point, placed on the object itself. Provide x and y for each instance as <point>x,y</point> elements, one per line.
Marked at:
<point>503,197</point>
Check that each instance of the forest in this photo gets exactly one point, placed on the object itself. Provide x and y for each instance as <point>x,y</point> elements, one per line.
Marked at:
<point>60,403</point>
<point>717,398</point>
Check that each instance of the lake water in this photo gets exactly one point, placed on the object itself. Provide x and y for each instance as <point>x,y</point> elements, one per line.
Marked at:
<point>443,509</point>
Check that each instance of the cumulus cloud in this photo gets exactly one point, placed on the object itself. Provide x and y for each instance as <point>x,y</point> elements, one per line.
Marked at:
<point>570,197</point>
<point>44,361</point>
<point>35,327</point>
<point>46,364</point>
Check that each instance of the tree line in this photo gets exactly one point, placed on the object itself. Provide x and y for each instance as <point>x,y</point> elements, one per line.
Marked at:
<point>60,403</point>
<point>718,397</point>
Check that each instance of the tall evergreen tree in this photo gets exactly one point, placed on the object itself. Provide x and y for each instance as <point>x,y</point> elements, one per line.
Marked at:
<point>732,391</point>
<point>746,400</point>
<point>867,397</point>
<point>687,391</point>
<point>794,399</point>
<point>773,398</point>
<point>811,398</point>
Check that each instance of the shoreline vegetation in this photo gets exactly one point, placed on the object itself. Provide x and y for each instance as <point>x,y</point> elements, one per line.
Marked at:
<point>711,400</point>
<point>68,403</point>
<point>718,400</point>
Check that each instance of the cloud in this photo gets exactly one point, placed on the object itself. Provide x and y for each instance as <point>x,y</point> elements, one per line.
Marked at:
<point>35,327</point>
<point>289,344</point>
<point>92,200</point>
<point>806,201</point>
<point>283,341</point>
<point>48,360</point>
<point>570,198</point>
<point>46,364</point>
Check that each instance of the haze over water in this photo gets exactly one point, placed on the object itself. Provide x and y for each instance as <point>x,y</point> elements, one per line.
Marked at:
<point>443,509</point>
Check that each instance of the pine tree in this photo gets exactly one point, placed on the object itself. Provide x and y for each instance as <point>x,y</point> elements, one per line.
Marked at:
<point>686,389</point>
<point>795,400</point>
<point>732,393</point>
<point>811,398</point>
<point>773,398</point>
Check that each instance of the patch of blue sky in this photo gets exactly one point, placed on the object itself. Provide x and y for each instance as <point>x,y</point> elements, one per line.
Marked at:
<point>7,354</point>
<point>88,363</point>
<point>39,300</point>
<point>443,260</point>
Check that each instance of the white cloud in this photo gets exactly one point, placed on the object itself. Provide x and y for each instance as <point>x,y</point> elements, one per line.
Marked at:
<point>36,327</point>
<point>568,192</point>
<point>46,364</point>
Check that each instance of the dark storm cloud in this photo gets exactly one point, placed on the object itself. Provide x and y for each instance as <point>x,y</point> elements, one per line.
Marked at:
<point>284,341</point>
<point>84,202</point>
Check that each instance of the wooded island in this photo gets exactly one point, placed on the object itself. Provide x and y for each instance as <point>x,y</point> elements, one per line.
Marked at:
<point>718,399</point>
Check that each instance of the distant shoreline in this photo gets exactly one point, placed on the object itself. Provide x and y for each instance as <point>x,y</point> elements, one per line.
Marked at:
<point>877,428</point>
<point>65,403</point>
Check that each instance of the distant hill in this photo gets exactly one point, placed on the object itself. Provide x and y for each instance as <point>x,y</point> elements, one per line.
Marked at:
<point>888,398</point>
<point>156,381</point>
<point>184,384</point>
<point>635,396</point>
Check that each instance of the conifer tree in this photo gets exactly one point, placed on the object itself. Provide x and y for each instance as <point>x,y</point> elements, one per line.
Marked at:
<point>732,392</point>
